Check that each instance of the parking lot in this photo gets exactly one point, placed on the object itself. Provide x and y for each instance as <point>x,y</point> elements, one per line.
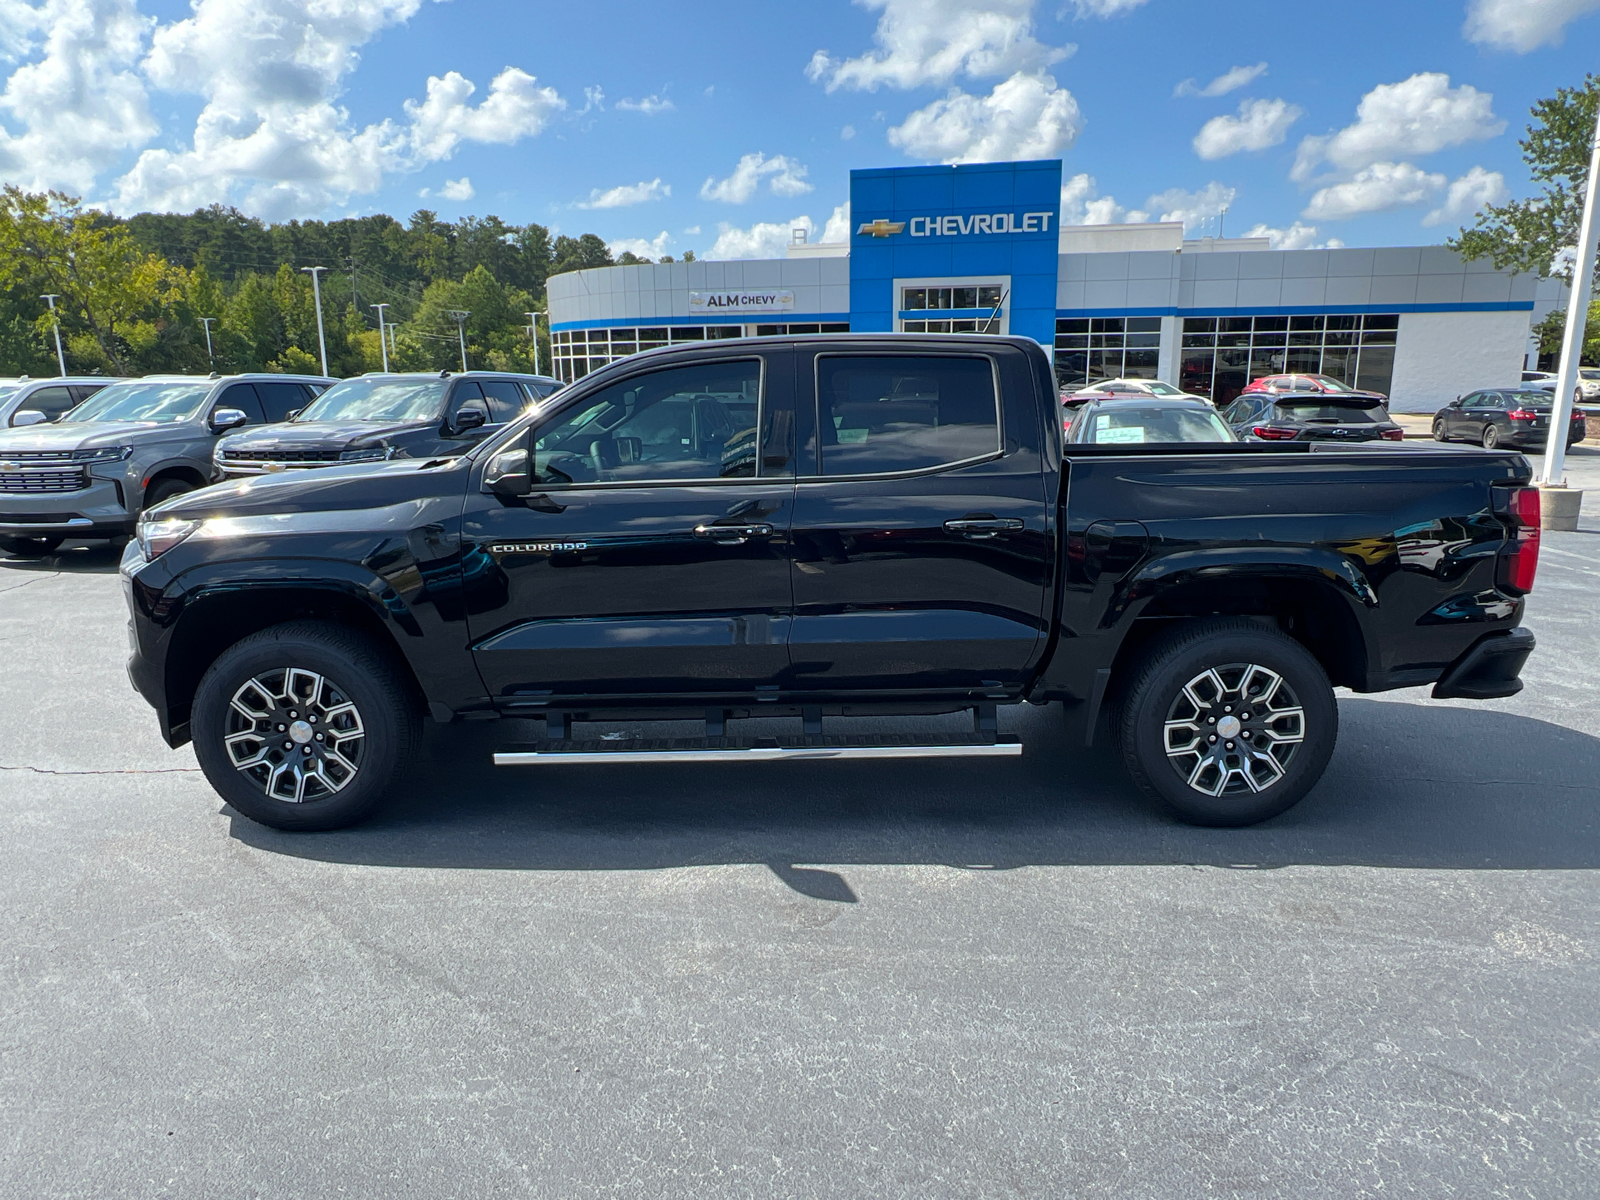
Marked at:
<point>819,980</point>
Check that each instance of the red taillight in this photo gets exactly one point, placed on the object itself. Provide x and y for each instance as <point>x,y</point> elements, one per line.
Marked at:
<point>1274,435</point>
<point>1393,435</point>
<point>1523,414</point>
<point>1522,557</point>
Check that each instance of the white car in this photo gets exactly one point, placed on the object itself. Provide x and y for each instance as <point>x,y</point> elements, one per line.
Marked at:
<point>1106,389</point>
<point>1588,390</point>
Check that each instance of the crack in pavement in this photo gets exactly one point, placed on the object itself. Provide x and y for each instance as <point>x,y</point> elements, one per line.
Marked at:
<point>118,771</point>
<point>36,579</point>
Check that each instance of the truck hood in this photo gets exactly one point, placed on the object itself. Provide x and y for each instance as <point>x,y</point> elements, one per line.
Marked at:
<point>328,435</point>
<point>295,497</point>
<point>83,435</point>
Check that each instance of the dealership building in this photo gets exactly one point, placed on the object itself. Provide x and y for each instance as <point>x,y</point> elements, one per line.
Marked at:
<point>980,248</point>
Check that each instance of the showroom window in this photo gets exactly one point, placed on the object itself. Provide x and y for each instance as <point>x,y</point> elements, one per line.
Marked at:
<point>579,351</point>
<point>1220,355</point>
<point>954,309</point>
<point>1089,349</point>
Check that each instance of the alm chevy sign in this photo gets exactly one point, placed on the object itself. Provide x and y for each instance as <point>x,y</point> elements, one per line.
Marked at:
<point>752,300</point>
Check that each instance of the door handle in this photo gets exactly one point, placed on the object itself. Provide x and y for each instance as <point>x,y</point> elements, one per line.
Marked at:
<point>979,528</point>
<point>732,535</point>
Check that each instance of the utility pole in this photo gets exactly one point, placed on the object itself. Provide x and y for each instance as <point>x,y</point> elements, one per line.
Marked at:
<point>382,341</point>
<point>461,331</point>
<point>316,291</point>
<point>61,359</point>
<point>211,358</point>
<point>1561,509</point>
<point>533,332</point>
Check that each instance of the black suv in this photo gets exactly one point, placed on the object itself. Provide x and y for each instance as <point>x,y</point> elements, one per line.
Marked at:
<point>375,417</point>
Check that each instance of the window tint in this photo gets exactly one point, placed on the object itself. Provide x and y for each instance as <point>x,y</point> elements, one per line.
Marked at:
<point>278,400</point>
<point>694,422</point>
<point>505,400</point>
<point>1328,412</point>
<point>904,413</point>
<point>82,391</point>
<point>243,397</point>
<point>51,401</point>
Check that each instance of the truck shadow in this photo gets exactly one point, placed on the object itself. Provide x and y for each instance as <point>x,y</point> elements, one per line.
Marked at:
<point>1413,784</point>
<point>74,558</point>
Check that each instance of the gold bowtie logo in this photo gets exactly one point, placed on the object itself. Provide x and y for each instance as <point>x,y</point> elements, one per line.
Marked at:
<point>881,228</point>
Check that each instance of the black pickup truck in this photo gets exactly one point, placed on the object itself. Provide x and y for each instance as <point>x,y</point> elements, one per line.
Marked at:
<point>821,528</point>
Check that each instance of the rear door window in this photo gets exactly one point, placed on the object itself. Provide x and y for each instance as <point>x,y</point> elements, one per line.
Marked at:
<point>881,414</point>
<point>243,397</point>
<point>505,400</point>
<point>278,400</point>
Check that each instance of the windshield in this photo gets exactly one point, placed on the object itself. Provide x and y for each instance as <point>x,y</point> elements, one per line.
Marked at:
<point>145,400</point>
<point>1332,384</point>
<point>1151,423</point>
<point>7,391</point>
<point>1156,387</point>
<point>1589,372</point>
<point>379,400</point>
<point>1322,412</point>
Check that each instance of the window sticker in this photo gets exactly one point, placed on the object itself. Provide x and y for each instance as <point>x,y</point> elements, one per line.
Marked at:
<point>1105,432</point>
<point>852,436</point>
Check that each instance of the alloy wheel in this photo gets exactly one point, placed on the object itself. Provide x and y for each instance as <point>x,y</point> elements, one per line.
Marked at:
<point>1233,729</point>
<point>296,734</point>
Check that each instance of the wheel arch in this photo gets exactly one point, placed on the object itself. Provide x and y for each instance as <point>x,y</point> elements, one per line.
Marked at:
<point>161,472</point>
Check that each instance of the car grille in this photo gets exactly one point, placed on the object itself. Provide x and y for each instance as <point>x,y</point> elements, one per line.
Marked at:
<point>280,455</point>
<point>34,471</point>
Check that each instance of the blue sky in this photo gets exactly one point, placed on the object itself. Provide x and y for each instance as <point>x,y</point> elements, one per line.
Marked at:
<point>716,126</point>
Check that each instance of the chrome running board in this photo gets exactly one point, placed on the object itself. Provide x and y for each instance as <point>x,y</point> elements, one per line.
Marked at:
<point>660,750</point>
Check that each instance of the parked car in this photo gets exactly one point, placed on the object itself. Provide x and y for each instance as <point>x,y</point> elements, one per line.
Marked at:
<point>892,536</point>
<point>1108,389</point>
<point>1535,376</point>
<point>1518,417</point>
<point>1135,421</point>
<point>376,417</point>
<point>1312,417</point>
<point>1588,388</point>
<point>127,448</point>
<point>48,398</point>
<point>1306,384</point>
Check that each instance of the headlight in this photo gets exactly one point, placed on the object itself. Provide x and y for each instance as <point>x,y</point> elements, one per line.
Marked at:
<point>160,534</point>
<point>370,454</point>
<point>103,454</point>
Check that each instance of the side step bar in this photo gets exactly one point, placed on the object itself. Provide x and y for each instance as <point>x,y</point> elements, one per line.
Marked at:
<point>727,749</point>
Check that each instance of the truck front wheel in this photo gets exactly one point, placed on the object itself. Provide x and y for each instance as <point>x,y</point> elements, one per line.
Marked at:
<point>1227,722</point>
<point>303,726</point>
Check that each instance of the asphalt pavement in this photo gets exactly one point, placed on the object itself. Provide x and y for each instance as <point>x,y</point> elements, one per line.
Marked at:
<point>810,980</point>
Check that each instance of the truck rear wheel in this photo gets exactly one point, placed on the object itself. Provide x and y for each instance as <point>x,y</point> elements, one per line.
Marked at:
<point>1227,722</point>
<point>304,726</point>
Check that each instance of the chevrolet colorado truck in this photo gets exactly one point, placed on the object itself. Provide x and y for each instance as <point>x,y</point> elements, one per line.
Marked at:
<point>821,528</point>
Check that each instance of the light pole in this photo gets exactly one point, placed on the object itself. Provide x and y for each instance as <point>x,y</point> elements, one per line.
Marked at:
<point>382,341</point>
<point>1222,218</point>
<point>1555,448</point>
<point>461,316</point>
<point>211,358</point>
<point>61,359</point>
<point>316,292</point>
<point>533,332</point>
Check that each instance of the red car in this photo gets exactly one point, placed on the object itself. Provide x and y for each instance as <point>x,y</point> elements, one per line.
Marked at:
<point>1307,383</point>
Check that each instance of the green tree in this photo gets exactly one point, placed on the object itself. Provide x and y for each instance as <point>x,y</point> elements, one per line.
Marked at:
<point>1532,234</point>
<point>1553,328</point>
<point>576,254</point>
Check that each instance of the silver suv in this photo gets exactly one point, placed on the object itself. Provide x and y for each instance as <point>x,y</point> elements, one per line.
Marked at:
<point>49,398</point>
<point>127,448</point>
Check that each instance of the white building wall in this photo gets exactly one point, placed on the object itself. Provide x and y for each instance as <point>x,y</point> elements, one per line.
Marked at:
<point>1438,356</point>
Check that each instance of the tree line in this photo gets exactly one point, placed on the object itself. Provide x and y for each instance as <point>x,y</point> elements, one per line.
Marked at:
<point>135,296</point>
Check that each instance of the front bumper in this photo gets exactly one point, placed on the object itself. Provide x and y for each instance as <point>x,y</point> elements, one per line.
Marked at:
<point>94,511</point>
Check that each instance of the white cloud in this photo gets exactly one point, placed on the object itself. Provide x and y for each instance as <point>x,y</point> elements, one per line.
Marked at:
<point>1296,237</point>
<point>458,190</point>
<point>838,227</point>
<point>1416,116</point>
<point>1475,190</point>
<point>761,240</point>
<point>786,177</point>
<point>1229,81</point>
<point>922,42</point>
<point>649,106</point>
<point>1374,189</point>
<point>516,107</point>
<point>848,132</point>
<point>1191,208</point>
<point>652,248</point>
<point>1025,116</point>
<point>1102,8</point>
<point>626,194</point>
<point>1523,25</point>
<point>1260,124</point>
<point>81,104</point>
<point>1082,204</point>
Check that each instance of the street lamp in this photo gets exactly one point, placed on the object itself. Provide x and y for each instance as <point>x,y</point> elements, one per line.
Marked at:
<point>61,359</point>
<point>316,291</point>
<point>460,316</point>
<point>206,321</point>
<point>533,332</point>
<point>382,341</point>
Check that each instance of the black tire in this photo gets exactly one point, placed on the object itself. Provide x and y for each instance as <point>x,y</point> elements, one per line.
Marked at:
<point>1491,437</point>
<point>1236,788</point>
<point>27,547</point>
<point>345,781</point>
<point>166,489</point>
<point>1438,432</point>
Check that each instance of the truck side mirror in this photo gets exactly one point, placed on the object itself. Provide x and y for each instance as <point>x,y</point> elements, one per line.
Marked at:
<point>472,416</point>
<point>509,474</point>
<point>29,416</point>
<point>224,419</point>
